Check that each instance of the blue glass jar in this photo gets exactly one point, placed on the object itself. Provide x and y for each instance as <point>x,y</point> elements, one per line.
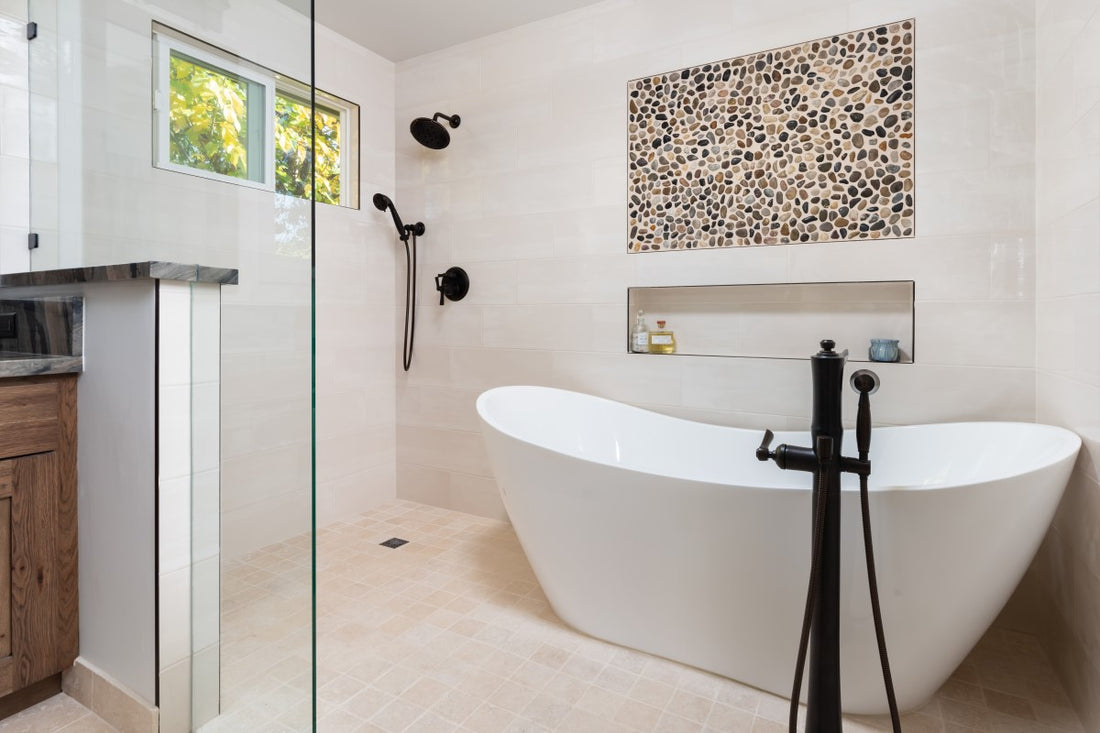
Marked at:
<point>883,350</point>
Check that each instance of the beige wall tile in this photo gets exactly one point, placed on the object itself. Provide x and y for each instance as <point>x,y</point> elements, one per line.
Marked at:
<point>549,209</point>
<point>1068,288</point>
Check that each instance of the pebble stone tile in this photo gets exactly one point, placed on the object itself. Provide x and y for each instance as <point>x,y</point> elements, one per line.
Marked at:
<point>451,632</point>
<point>807,143</point>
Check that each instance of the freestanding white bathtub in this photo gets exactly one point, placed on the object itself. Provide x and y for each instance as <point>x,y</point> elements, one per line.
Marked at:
<point>668,536</point>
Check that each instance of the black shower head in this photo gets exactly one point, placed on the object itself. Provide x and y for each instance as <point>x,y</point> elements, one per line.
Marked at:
<point>382,202</point>
<point>430,133</point>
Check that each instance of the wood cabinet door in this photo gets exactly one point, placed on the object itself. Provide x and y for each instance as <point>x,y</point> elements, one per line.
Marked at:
<point>7,677</point>
<point>38,622</point>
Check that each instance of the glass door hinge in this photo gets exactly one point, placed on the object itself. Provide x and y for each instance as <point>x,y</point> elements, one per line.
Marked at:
<point>32,31</point>
<point>32,240</point>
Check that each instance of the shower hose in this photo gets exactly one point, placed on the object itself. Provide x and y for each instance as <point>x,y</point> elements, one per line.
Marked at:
<point>811,597</point>
<point>410,302</point>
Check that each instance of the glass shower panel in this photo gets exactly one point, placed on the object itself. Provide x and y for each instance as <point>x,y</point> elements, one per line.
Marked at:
<point>14,152</point>
<point>155,136</point>
<point>43,59</point>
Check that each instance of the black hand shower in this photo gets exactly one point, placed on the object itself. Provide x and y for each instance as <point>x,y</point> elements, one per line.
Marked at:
<point>382,202</point>
<point>430,133</point>
<point>866,382</point>
<point>404,231</point>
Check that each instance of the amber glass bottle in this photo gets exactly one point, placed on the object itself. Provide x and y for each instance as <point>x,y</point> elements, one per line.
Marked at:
<point>662,341</point>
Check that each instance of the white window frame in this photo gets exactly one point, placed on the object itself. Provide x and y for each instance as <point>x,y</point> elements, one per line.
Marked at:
<point>166,40</point>
<point>163,46</point>
<point>349,133</point>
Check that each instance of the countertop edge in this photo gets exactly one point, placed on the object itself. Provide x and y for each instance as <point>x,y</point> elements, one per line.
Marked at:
<point>44,365</point>
<point>152,270</point>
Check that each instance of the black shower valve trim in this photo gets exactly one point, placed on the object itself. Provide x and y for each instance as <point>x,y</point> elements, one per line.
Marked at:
<point>453,284</point>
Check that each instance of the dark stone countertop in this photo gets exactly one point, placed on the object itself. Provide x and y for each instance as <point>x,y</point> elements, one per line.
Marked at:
<point>132,271</point>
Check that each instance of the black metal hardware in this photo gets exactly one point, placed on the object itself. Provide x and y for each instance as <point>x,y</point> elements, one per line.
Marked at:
<point>866,383</point>
<point>763,453</point>
<point>453,120</point>
<point>32,31</point>
<point>382,202</point>
<point>405,232</point>
<point>8,325</point>
<point>32,240</point>
<point>787,456</point>
<point>452,284</point>
<point>430,133</point>
<point>823,714</point>
<point>821,627</point>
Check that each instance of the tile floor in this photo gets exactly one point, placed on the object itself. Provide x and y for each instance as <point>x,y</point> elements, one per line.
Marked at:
<point>452,633</point>
<point>59,714</point>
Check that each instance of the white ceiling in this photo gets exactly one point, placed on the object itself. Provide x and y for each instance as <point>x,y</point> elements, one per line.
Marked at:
<point>402,29</point>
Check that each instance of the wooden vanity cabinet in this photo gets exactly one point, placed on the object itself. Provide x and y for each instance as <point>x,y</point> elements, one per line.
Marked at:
<point>38,540</point>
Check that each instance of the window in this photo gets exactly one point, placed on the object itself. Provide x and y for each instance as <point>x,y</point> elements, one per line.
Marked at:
<point>292,147</point>
<point>230,120</point>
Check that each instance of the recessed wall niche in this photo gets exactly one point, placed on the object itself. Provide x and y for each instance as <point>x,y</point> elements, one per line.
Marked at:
<point>806,143</point>
<point>780,320</point>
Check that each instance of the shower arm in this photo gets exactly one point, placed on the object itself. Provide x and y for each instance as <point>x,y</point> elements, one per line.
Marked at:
<point>452,120</point>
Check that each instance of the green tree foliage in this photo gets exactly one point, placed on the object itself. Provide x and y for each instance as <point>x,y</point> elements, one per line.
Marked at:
<point>292,155</point>
<point>209,131</point>
<point>209,119</point>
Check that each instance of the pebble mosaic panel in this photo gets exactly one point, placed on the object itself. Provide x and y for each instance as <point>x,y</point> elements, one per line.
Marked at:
<point>807,143</point>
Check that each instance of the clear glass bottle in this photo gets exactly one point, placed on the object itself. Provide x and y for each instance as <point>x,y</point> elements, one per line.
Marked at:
<point>639,337</point>
<point>662,341</point>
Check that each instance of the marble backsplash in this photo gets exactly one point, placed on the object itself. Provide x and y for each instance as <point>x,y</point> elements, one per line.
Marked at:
<point>44,326</point>
<point>49,336</point>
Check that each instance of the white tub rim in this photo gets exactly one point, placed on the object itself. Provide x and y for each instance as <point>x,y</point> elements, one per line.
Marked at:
<point>1070,443</point>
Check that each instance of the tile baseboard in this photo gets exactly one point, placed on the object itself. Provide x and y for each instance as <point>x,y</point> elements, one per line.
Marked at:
<point>109,699</point>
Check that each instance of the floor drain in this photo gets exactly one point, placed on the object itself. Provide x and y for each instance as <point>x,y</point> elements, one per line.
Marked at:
<point>394,542</point>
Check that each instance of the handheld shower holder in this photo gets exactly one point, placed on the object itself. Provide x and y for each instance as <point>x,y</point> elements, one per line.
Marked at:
<point>383,203</point>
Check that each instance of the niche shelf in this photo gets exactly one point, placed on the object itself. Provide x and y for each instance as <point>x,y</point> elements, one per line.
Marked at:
<point>779,320</point>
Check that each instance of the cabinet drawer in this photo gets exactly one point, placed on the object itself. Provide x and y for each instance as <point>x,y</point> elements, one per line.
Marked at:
<point>28,416</point>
